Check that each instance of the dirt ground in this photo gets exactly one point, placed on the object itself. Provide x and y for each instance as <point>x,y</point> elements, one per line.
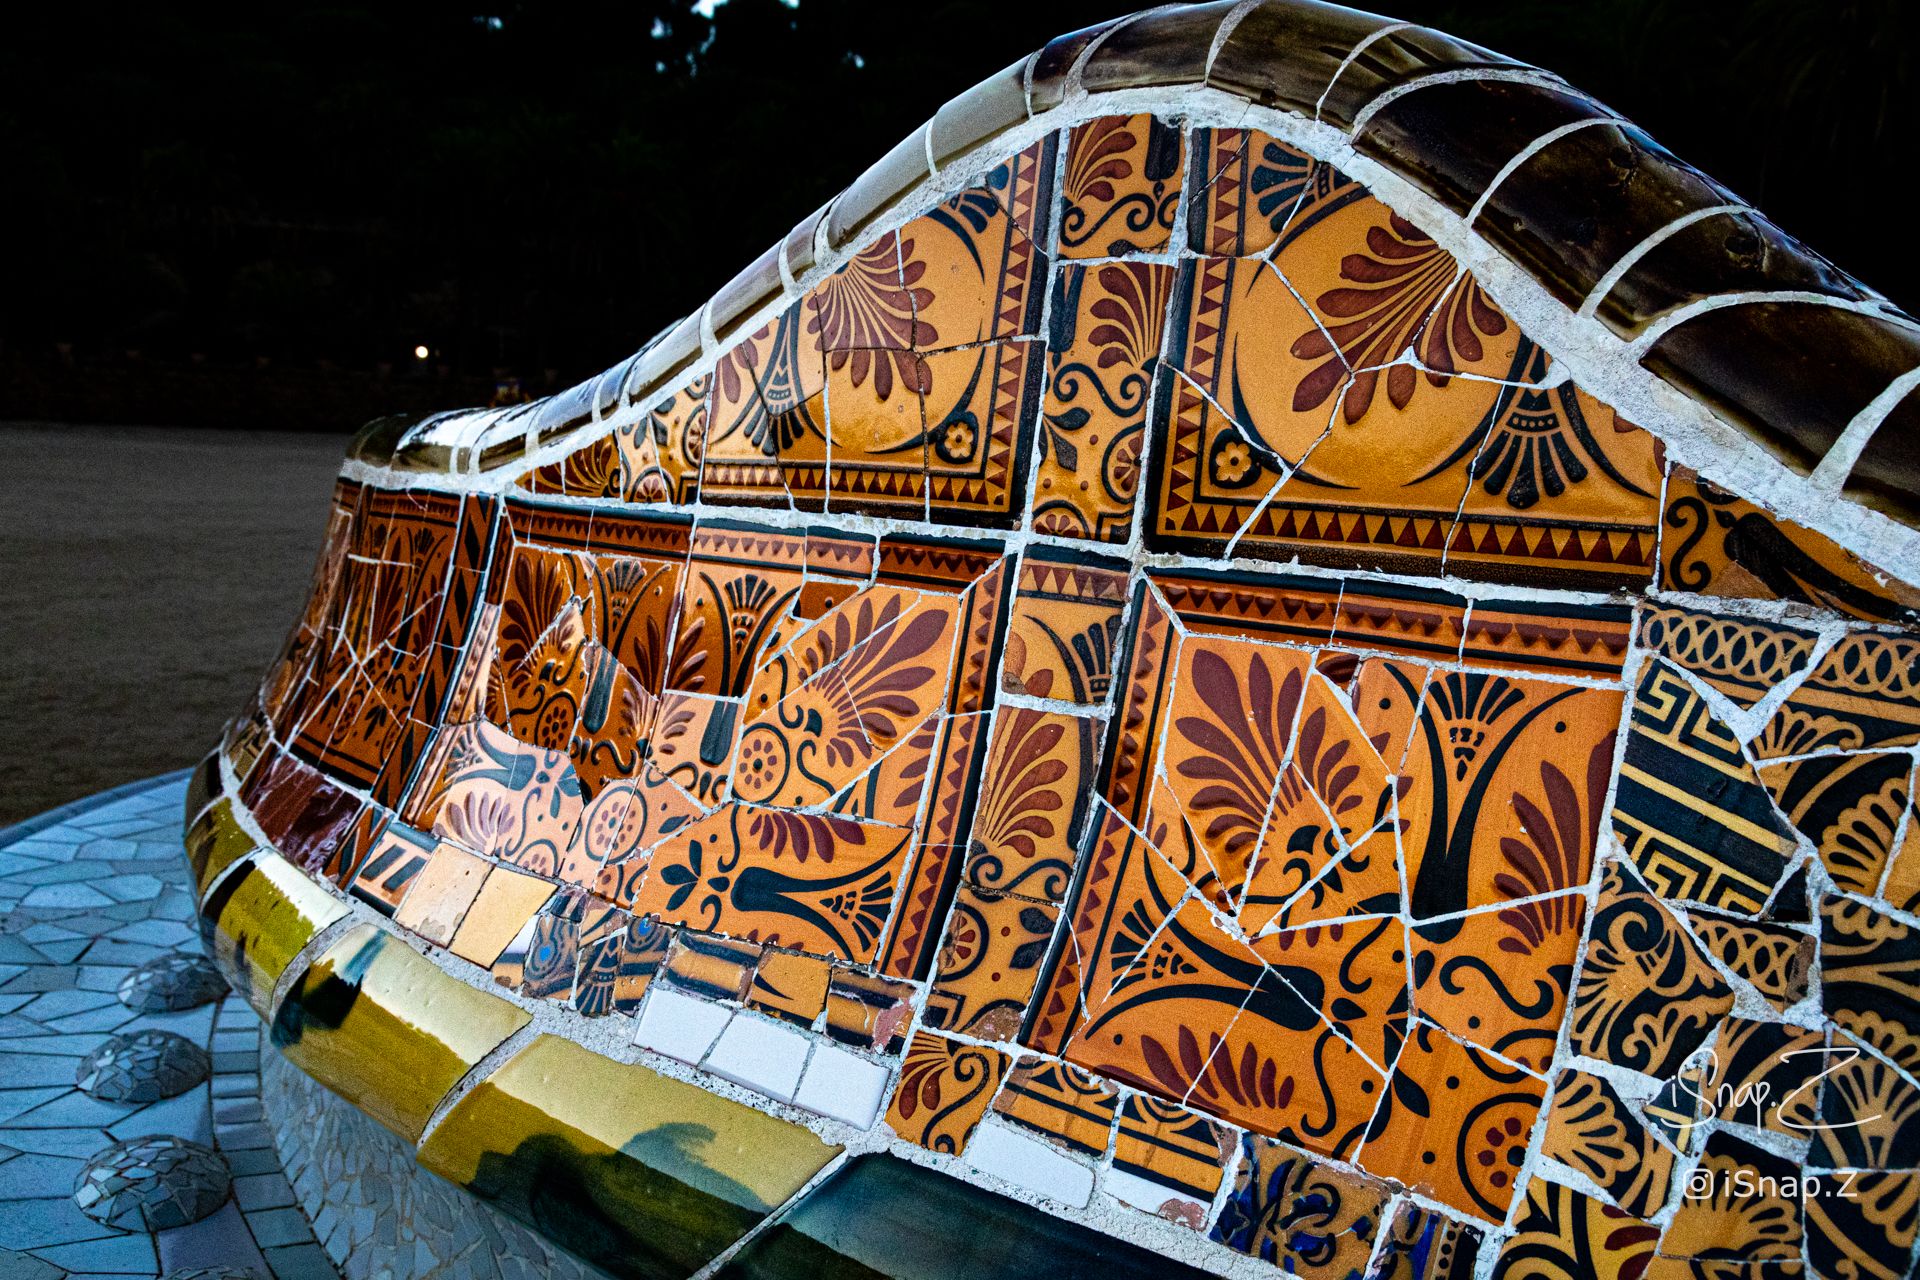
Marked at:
<point>147,577</point>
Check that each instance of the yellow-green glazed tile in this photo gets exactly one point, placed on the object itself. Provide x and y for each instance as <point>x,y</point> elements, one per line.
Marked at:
<point>386,1029</point>
<point>214,843</point>
<point>639,1174</point>
<point>262,915</point>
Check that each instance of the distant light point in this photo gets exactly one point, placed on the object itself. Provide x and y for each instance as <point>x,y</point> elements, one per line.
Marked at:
<point>421,352</point>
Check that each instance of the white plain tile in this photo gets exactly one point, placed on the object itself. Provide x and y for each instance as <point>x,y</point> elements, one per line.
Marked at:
<point>1026,1161</point>
<point>761,1055</point>
<point>843,1085</point>
<point>679,1025</point>
<point>1143,1193</point>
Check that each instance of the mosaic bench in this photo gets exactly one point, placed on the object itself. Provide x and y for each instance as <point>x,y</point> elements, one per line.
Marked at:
<point>1277,642</point>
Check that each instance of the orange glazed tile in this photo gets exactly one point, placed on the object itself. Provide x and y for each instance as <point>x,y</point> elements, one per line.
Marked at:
<point>809,763</point>
<point>1121,186</point>
<point>1133,748</point>
<point>716,968</point>
<point>1103,344</point>
<point>1062,1104</point>
<point>1747,1215</point>
<point>1718,544</point>
<point>945,1089</point>
<point>1564,491</point>
<point>1387,697</point>
<point>989,964</point>
<point>676,425</point>
<point>1198,1017</point>
<point>974,272</point>
<point>1849,806</point>
<point>1536,636</point>
<point>1256,192</point>
<point>1362,881</point>
<point>1501,980</point>
<point>1034,803</point>
<point>1179,1156</point>
<point>1126,893</point>
<point>1455,1125</point>
<point>893,790</point>
<point>1229,437</point>
<point>1865,693</point>
<point>691,743</point>
<point>1224,734</point>
<point>741,462</point>
<point>503,799</point>
<point>632,815</point>
<point>1741,657</point>
<point>1559,1231</point>
<point>1505,778</point>
<point>868,1012</point>
<point>789,986</point>
<point>981,404</point>
<point>741,584</point>
<point>1170,834</point>
<point>1419,622</point>
<point>811,883</point>
<point>1366,1001</point>
<point>820,645</point>
<point>1298,843</point>
<point>1593,1131</point>
<point>1063,637</point>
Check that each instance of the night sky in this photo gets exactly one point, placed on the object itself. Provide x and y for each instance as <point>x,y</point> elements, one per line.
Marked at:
<point>253,217</point>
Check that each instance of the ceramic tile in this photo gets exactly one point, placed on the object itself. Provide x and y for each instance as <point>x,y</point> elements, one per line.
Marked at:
<point>974,265</point>
<point>1254,193</point>
<point>1868,988</point>
<point>868,1012</point>
<point>810,882</point>
<point>1718,544</point>
<point>789,986</point>
<point>1253,1038</point>
<point>1742,1216</point>
<point>380,1025</point>
<point>507,901</point>
<point>1034,803</point>
<point>437,899</point>
<point>1225,733</point>
<point>1647,996</point>
<point>1865,693</point>
<point>1849,806</point>
<point>263,914</point>
<point>1104,344</point>
<point>1869,1233</point>
<point>617,967</point>
<point>1167,1160</point>
<point>1537,635</point>
<point>557,1116</point>
<point>989,964</point>
<point>741,585</point>
<point>1559,1231</point>
<point>502,798</point>
<point>1766,1075</point>
<point>1689,809</point>
<point>844,1086</point>
<point>1064,633</point>
<point>1500,979</point>
<point>1066,1106</point>
<point>1505,779</point>
<point>1454,1123</point>
<point>1125,894</point>
<point>981,406</point>
<point>709,967</point>
<point>1775,961</point>
<point>1592,1131</point>
<point>1869,1113</point>
<point>1418,1243</point>
<point>1120,187</point>
<point>1016,1156</point>
<point>945,1089</point>
<point>1742,658</point>
<point>1312,1219</point>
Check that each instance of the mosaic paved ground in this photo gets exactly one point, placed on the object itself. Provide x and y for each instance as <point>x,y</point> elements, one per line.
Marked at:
<point>85,902</point>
